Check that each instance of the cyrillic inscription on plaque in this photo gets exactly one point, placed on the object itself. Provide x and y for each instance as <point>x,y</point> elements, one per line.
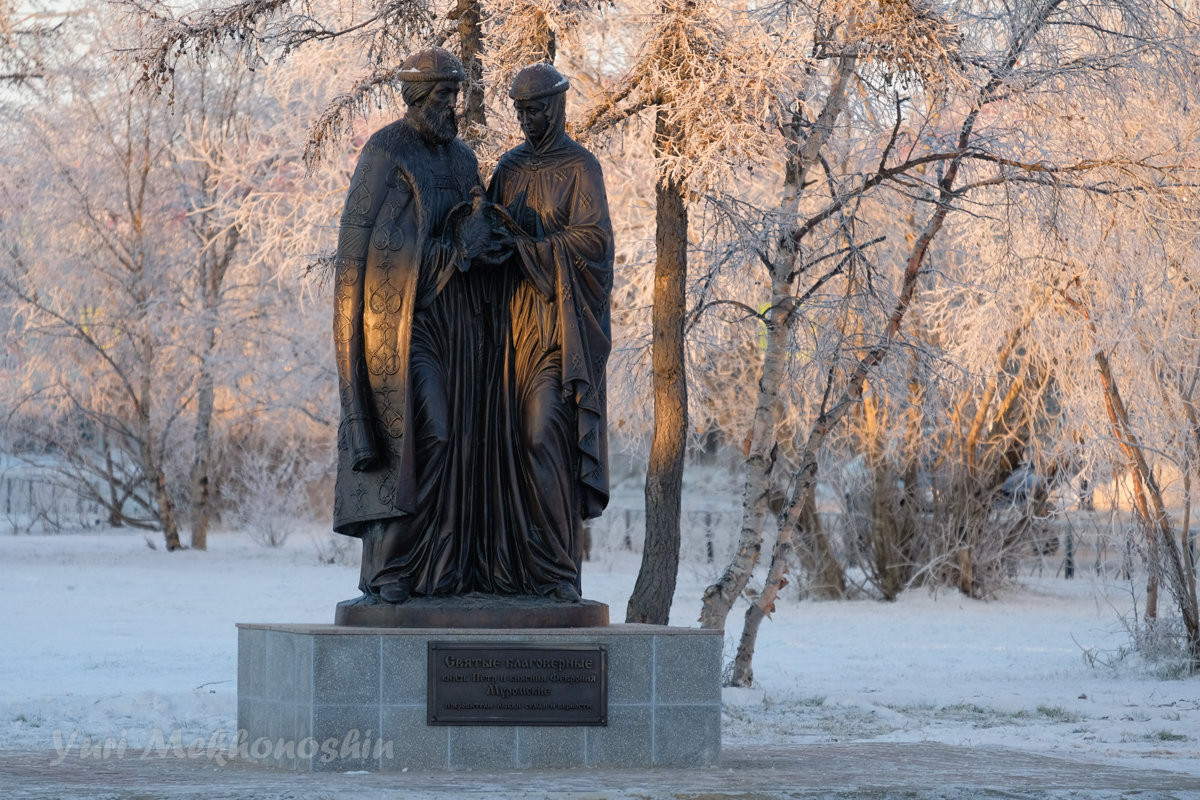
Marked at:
<point>517,684</point>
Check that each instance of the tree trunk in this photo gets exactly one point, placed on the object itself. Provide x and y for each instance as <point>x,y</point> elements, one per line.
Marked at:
<point>805,477</point>
<point>820,563</point>
<point>803,147</point>
<point>1166,559</point>
<point>1185,546</point>
<point>213,269</point>
<point>166,512</point>
<point>890,531</point>
<point>1186,540</point>
<point>655,586</point>
<point>826,579</point>
<point>760,463</point>
<point>470,34</point>
<point>1142,503</point>
<point>202,442</point>
<point>153,471</point>
<point>114,498</point>
<point>1184,389</point>
<point>890,520</point>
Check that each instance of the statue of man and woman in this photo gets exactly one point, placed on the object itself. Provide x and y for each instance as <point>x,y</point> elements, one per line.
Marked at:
<point>471,329</point>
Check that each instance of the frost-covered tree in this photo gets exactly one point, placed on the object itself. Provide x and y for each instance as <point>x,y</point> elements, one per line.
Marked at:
<point>124,273</point>
<point>26,30</point>
<point>88,262</point>
<point>804,193</point>
<point>1089,274</point>
<point>966,112</point>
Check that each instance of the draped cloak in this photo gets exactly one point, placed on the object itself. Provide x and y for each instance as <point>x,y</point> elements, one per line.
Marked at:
<point>406,317</point>
<point>553,457</point>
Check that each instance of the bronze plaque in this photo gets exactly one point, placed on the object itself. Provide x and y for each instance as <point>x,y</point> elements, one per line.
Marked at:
<point>517,684</point>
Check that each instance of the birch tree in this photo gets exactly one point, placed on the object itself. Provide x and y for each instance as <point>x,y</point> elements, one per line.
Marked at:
<point>878,41</point>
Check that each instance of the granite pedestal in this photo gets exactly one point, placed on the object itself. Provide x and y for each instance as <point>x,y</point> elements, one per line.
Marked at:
<point>336,698</point>
<point>474,611</point>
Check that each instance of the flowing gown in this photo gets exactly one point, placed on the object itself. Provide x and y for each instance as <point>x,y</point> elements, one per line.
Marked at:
<point>547,463</point>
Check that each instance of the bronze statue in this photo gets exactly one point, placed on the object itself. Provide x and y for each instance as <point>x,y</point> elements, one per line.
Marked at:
<point>407,330</point>
<point>472,339</point>
<point>555,290</point>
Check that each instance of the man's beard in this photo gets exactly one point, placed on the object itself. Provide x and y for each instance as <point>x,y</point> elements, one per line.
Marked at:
<point>438,127</point>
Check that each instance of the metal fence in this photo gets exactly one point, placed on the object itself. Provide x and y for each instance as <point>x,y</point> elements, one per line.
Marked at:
<point>33,499</point>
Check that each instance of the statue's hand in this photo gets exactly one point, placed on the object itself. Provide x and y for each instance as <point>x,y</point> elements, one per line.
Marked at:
<point>474,233</point>
<point>500,249</point>
<point>364,463</point>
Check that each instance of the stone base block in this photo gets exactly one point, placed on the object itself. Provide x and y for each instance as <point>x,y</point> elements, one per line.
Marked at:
<point>335,698</point>
<point>474,611</point>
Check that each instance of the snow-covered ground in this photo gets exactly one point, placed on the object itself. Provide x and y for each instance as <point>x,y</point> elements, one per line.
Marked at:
<point>103,637</point>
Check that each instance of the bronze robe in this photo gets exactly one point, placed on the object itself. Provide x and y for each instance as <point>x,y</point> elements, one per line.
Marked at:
<point>553,298</point>
<point>406,332</point>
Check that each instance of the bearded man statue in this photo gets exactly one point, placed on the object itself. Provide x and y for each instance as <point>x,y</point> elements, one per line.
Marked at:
<point>407,329</point>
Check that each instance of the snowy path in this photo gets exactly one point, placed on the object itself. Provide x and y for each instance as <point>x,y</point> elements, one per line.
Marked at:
<point>866,771</point>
